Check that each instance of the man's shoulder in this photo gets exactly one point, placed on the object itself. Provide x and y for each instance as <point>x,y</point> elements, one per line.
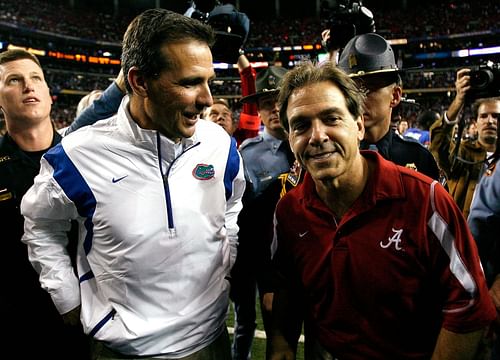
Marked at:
<point>8,149</point>
<point>409,142</point>
<point>249,143</point>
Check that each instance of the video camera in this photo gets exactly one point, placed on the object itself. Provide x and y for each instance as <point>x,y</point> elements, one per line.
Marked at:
<point>231,27</point>
<point>349,19</point>
<point>484,81</point>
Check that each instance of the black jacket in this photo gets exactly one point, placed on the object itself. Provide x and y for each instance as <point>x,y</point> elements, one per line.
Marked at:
<point>407,153</point>
<point>27,311</point>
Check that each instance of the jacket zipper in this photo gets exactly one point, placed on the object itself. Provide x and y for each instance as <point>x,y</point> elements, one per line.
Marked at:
<point>170,216</point>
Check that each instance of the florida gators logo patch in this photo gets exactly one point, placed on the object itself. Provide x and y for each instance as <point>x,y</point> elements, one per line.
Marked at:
<point>203,172</point>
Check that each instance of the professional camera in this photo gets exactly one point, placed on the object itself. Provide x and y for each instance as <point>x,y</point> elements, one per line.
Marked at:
<point>348,20</point>
<point>484,81</point>
<point>231,27</point>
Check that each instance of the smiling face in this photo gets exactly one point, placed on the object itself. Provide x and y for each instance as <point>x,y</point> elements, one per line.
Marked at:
<point>24,94</point>
<point>179,94</point>
<point>323,134</point>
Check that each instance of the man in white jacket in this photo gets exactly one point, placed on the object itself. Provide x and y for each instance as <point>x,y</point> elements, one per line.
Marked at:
<point>157,194</point>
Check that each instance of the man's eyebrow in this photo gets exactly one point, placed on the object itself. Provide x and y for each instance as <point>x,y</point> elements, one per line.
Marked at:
<point>322,113</point>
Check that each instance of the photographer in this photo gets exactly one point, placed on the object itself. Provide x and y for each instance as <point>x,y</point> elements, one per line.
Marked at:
<point>347,20</point>
<point>464,161</point>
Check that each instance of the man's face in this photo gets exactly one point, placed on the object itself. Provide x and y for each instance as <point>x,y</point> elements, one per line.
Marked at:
<point>220,114</point>
<point>403,126</point>
<point>487,122</point>
<point>24,94</point>
<point>177,97</point>
<point>382,96</point>
<point>269,113</point>
<point>322,132</point>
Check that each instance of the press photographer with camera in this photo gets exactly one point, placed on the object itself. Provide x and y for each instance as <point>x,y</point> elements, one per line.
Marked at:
<point>464,161</point>
<point>347,20</point>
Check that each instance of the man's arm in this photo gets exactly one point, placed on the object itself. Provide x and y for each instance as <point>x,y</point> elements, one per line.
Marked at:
<point>102,108</point>
<point>462,85</point>
<point>441,132</point>
<point>249,122</point>
<point>453,346</point>
<point>468,310</point>
<point>47,213</point>
<point>234,203</point>
<point>287,314</point>
<point>285,327</point>
<point>333,54</point>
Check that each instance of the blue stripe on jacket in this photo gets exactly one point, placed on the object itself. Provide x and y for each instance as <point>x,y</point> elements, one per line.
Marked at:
<point>75,187</point>
<point>232,168</point>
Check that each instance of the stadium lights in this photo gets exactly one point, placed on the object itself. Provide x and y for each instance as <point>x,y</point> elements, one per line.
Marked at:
<point>37,52</point>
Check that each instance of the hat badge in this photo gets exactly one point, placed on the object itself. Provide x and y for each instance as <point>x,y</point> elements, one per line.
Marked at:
<point>352,61</point>
<point>271,80</point>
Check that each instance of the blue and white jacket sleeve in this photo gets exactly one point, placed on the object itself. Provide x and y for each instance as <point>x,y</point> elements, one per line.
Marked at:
<point>233,202</point>
<point>48,213</point>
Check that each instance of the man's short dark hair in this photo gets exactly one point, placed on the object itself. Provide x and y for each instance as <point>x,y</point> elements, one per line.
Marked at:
<point>150,31</point>
<point>478,102</point>
<point>18,54</point>
<point>307,74</point>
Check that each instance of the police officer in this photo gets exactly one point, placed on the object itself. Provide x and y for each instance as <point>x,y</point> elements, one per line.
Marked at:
<point>268,154</point>
<point>369,59</point>
<point>265,157</point>
<point>28,314</point>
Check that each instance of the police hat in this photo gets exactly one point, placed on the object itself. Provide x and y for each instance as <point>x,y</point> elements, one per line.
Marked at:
<point>266,83</point>
<point>367,54</point>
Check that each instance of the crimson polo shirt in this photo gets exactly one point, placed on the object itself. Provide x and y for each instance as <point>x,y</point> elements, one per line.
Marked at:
<point>400,265</point>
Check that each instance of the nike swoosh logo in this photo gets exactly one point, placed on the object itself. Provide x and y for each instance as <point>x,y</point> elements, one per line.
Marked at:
<point>115,180</point>
<point>303,234</point>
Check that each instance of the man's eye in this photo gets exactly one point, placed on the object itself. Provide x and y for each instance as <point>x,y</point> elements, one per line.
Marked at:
<point>299,127</point>
<point>332,119</point>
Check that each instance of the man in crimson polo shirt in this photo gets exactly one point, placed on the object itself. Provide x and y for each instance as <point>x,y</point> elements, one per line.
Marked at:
<point>377,258</point>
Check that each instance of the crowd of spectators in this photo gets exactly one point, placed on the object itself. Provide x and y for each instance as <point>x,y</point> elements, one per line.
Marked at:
<point>58,18</point>
<point>443,18</point>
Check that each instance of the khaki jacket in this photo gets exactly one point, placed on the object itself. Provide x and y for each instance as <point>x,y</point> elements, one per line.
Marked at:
<point>462,171</point>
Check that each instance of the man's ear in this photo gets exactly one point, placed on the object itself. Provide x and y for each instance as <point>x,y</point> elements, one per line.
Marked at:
<point>397,94</point>
<point>360,123</point>
<point>137,82</point>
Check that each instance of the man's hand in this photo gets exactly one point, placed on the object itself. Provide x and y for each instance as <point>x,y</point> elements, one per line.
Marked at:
<point>120,82</point>
<point>325,40</point>
<point>267,301</point>
<point>462,85</point>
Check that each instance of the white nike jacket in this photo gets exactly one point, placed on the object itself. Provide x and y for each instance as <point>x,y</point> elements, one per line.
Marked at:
<point>158,232</point>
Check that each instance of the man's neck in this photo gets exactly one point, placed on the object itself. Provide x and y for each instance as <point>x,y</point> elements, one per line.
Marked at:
<point>34,138</point>
<point>339,194</point>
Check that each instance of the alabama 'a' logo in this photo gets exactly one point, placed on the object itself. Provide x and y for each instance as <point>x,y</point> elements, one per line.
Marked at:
<point>395,240</point>
<point>204,172</point>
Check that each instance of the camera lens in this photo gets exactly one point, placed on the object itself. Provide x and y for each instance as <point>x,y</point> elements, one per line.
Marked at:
<point>481,79</point>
